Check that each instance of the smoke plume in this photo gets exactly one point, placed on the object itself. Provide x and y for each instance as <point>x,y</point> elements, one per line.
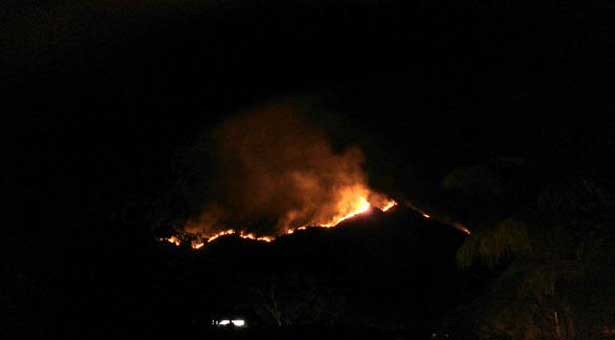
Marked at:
<point>276,172</point>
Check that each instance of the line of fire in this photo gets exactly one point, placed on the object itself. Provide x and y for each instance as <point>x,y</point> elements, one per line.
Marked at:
<point>361,208</point>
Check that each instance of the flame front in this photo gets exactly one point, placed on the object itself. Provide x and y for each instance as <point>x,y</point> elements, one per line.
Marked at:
<point>251,236</point>
<point>388,205</point>
<point>220,234</point>
<point>349,206</point>
<point>271,164</point>
<point>174,240</point>
<point>197,244</point>
<point>352,202</point>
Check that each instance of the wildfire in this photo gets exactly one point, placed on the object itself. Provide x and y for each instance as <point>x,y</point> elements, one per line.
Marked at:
<point>220,234</point>
<point>291,231</point>
<point>349,208</point>
<point>273,165</point>
<point>251,236</point>
<point>388,205</point>
<point>198,244</point>
<point>462,228</point>
<point>174,240</point>
<point>455,225</point>
<point>355,207</point>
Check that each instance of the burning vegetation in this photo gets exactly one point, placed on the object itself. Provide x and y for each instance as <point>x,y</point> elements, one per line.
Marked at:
<point>197,241</point>
<point>275,174</point>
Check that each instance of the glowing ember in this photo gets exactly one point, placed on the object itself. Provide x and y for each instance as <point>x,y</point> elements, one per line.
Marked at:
<point>276,166</point>
<point>220,234</point>
<point>462,228</point>
<point>197,244</point>
<point>265,239</point>
<point>174,240</point>
<point>357,206</point>
<point>352,202</point>
<point>251,236</point>
<point>390,204</point>
<point>349,206</point>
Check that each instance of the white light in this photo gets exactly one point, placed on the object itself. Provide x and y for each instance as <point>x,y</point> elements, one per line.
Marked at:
<point>239,323</point>
<point>224,322</point>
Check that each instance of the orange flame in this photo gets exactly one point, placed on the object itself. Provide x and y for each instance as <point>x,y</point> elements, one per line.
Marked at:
<point>355,206</point>
<point>350,205</point>
<point>197,244</point>
<point>251,236</point>
<point>265,239</point>
<point>220,234</point>
<point>462,228</point>
<point>388,205</point>
<point>174,240</point>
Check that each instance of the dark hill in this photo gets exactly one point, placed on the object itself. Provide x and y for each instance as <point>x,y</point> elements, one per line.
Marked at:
<point>393,271</point>
<point>106,92</point>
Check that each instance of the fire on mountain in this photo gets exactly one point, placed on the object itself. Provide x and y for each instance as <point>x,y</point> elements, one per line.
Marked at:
<point>354,207</point>
<point>274,173</point>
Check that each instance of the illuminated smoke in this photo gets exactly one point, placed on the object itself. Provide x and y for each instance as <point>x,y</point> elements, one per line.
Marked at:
<point>276,173</point>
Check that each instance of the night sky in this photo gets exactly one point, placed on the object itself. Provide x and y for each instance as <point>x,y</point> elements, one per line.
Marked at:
<point>478,112</point>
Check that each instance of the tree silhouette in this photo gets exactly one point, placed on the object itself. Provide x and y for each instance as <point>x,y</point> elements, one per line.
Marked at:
<point>296,298</point>
<point>547,252</point>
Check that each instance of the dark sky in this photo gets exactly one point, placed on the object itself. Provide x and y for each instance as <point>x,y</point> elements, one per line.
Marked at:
<point>107,92</point>
<point>108,96</point>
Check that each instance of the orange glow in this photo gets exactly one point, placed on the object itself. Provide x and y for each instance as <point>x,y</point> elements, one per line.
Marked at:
<point>462,228</point>
<point>388,205</point>
<point>351,207</point>
<point>265,239</point>
<point>222,233</point>
<point>174,240</point>
<point>197,244</point>
<point>251,236</point>
<point>411,206</point>
<point>352,201</point>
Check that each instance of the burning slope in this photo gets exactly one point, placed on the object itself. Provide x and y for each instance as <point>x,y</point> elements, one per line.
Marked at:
<point>275,174</point>
<point>453,224</point>
<point>360,206</point>
<point>349,206</point>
